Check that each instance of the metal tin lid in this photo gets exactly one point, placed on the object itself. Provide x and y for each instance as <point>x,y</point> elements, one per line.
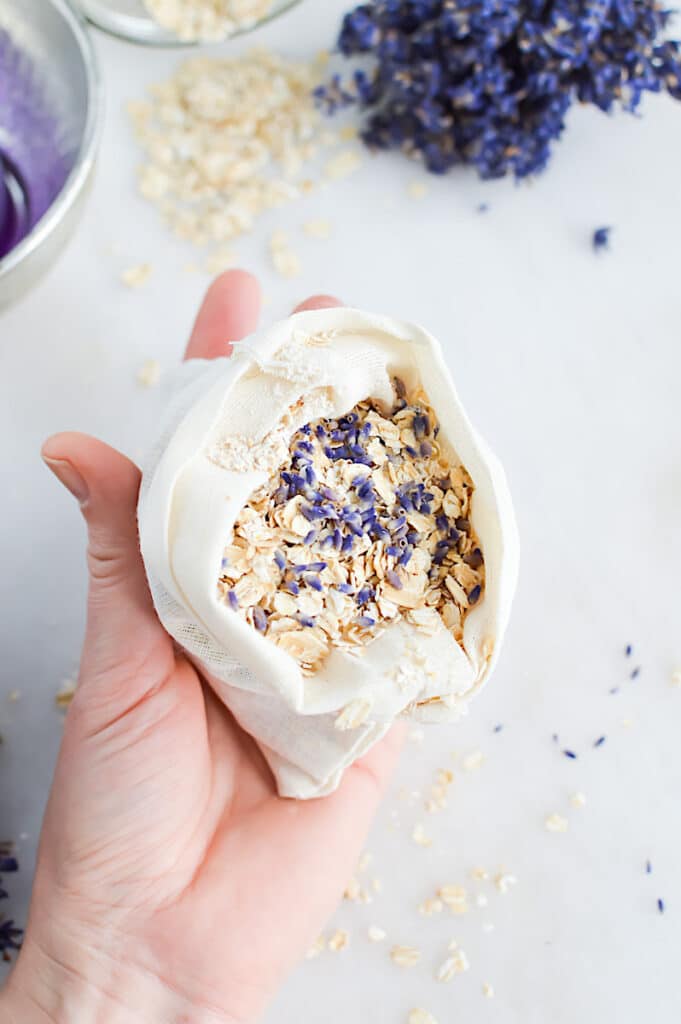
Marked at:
<point>131,20</point>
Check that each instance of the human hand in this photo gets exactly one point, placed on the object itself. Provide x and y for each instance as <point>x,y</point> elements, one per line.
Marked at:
<point>173,885</point>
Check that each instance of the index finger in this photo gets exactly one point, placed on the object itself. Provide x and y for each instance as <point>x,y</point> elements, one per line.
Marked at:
<point>229,312</point>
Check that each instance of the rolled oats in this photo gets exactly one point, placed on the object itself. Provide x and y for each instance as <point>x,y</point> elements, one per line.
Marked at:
<point>350,534</point>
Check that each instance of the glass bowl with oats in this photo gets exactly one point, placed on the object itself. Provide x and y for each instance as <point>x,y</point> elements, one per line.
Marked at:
<point>181,22</point>
<point>329,538</point>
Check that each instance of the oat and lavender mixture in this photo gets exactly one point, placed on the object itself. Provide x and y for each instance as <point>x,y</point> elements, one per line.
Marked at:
<point>207,20</point>
<point>366,523</point>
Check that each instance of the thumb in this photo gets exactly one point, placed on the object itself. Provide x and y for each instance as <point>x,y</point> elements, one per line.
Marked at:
<point>123,635</point>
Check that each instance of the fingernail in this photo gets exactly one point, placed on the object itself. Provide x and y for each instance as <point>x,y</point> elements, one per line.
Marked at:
<point>69,476</point>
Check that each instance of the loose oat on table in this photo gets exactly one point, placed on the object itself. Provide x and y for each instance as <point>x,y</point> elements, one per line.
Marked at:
<point>339,941</point>
<point>504,881</point>
<point>343,164</point>
<point>319,229</point>
<point>149,373</point>
<point>578,800</point>
<point>405,956</point>
<point>226,139</point>
<point>455,897</point>
<point>64,694</point>
<point>318,946</point>
<point>376,934</point>
<point>207,20</point>
<point>420,1016</point>
<point>362,522</point>
<point>676,677</point>
<point>135,277</point>
<point>455,964</point>
<point>420,836</point>
<point>285,261</point>
<point>488,990</point>
<point>431,906</point>
<point>417,190</point>
<point>556,823</point>
<point>473,761</point>
<point>480,874</point>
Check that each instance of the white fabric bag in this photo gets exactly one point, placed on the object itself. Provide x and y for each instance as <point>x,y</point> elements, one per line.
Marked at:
<point>221,428</point>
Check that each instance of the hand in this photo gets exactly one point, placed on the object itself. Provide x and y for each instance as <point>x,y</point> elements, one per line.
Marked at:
<point>173,884</point>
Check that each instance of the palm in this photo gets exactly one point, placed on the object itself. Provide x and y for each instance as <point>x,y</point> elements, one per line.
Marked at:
<point>163,815</point>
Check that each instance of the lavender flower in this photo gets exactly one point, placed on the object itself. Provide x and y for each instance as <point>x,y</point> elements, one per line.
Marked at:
<point>488,83</point>
<point>10,936</point>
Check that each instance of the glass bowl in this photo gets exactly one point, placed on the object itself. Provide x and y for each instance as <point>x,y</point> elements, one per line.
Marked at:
<point>129,19</point>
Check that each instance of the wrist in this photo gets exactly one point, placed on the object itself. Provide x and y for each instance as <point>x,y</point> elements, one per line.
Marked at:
<point>93,989</point>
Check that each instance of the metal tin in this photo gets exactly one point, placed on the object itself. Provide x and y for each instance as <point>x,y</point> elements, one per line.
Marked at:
<point>130,20</point>
<point>48,57</point>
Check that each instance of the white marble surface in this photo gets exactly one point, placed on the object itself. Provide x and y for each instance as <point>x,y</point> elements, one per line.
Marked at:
<point>571,365</point>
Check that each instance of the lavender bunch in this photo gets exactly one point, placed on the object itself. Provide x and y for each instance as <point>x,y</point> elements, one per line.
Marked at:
<point>489,82</point>
<point>10,937</point>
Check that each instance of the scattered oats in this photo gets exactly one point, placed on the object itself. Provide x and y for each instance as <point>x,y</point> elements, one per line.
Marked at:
<point>454,897</point>
<point>353,714</point>
<point>13,696</point>
<point>227,139</point>
<point>149,373</point>
<point>348,132</point>
<point>405,956</point>
<point>420,837</point>
<point>578,800</point>
<point>316,948</point>
<point>417,190</point>
<point>505,881</point>
<point>375,934</point>
<point>481,900</point>
<point>627,723</point>
<point>480,874</point>
<point>473,761</point>
<point>339,940</point>
<point>488,990</point>
<point>285,261</point>
<point>556,823</point>
<point>320,229</point>
<point>223,258</point>
<point>342,164</point>
<point>676,677</point>
<point>352,890</point>
<point>377,885</point>
<point>420,1016</point>
<point>457,963</point>
<point>135,277</point>
<point>365,861</point>
<point>64,695</point>
<point>207,20</point>
<point>431,906</point>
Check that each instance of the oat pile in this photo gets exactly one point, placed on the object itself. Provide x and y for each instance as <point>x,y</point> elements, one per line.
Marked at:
<point>207,20</point>
<point>226,140</point>
<point>365,523</point>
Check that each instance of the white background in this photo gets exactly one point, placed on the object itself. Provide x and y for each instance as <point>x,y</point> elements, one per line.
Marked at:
<point>570,364</point>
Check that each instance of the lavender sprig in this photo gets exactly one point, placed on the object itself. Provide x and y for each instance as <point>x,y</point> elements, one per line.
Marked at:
<point>489,82</point>
<point>10,936</point>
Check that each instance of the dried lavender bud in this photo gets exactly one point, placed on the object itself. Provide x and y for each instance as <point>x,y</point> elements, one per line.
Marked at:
<point>10,936</point>
<point>601,239</point>
<point>489,84</point>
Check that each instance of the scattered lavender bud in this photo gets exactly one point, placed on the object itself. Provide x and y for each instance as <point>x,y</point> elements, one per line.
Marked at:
<point>600,239</point>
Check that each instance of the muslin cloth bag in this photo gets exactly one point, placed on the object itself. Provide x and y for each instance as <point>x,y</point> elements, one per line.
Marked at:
<point>220,418</point>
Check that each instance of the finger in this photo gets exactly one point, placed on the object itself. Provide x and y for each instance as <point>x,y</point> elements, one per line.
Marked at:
<point>122,628</point>
<point>229,312</point>
<point>318,302</point>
